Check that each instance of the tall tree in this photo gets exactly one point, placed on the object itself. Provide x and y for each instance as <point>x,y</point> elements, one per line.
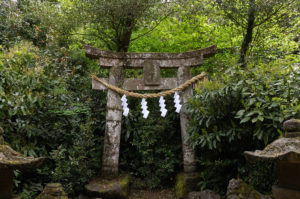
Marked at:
<point>251,14</point>
<point>110,22</point>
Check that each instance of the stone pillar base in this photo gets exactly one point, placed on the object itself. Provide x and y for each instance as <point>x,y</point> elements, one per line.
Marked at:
<point>185,183</point>
<point>284,193</point>
<point>117,188</point>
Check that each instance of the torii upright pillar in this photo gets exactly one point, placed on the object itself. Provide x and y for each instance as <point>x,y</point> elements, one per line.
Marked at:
<point>151,63</point>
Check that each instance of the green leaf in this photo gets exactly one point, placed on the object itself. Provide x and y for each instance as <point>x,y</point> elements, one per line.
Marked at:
<point>245,119</point>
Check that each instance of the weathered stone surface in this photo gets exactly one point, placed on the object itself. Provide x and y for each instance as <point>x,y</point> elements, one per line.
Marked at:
<point>12,159</point>
<point>110,157</point>
<point>292,125</point>
<point>95,53</point>
<point>206,194</point>
<point>53,191</point>
<point>284,193</point>
<point>109,188</point>
<point>237,189</point>
<point>185,183</point>
<point>281,149</point>
<point>189,161</point>
<point>138,63</point>
<point>151,74</point>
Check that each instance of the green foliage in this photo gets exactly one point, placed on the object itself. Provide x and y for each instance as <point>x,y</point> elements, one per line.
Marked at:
<point>46,110</point>
<point>263,170</point>
<point>150,149</point>
<point>242,111</point>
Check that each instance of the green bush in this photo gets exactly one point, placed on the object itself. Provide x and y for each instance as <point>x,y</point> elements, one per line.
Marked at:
<point>48,109</point>
<point>151,148</point>
<point>244,110</point>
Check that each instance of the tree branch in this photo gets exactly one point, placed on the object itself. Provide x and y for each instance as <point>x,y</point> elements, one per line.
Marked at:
<point>273,13</point>
<point>102,39</point>
<point>156,25</point>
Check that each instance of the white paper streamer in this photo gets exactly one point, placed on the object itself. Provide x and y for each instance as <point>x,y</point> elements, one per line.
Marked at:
<point>162,106</point>
<point>177,102</point>
<point>125,106</point>
<point>144,108</point>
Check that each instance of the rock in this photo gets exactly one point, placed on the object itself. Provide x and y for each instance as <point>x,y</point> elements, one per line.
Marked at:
<point>53,191</point>
<point>109,188</point>
<point>185,183</point>
<point>206,194</point>
<point>283,148</point>
<point>292,125</point>
<point>237,189</point>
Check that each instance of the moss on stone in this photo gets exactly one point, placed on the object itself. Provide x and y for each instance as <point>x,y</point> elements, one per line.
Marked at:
<point>125,183</point>
<point>181,186</point>
<point>109,188</point>
<point>185,183</point>
<point>53,191</point>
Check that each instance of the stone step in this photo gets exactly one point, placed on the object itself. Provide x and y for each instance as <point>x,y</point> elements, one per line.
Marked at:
<point>117,188</point>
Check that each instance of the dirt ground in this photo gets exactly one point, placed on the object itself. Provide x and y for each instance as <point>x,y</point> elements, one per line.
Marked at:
<point>152,194</point>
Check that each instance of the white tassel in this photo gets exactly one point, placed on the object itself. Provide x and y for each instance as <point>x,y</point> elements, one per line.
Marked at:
<point>162,106</point>
<point>145,107</point>
<point>177,102</point>
<point>125,106</point>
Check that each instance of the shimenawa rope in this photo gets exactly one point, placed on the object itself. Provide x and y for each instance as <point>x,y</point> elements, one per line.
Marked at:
<point>151,95</point>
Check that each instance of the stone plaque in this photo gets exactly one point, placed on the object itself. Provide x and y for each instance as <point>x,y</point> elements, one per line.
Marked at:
<point>151,74</point>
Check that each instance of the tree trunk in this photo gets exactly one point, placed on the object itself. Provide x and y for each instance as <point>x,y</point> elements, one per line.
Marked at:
<point>189,162</point>
<point>249,34</point>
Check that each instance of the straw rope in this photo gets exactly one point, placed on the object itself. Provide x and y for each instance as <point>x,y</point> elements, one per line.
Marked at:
<point>151,95</point>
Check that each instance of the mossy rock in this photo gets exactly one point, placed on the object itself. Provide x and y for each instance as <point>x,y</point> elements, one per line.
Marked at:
<point>53,191</point>
<point>237,189</point>
<point>185,183</point>
<point>117,188</point>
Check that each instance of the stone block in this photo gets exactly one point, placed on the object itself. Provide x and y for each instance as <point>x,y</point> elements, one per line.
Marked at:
<point>206,194</point>
<point>53,191</point>
<point>237,189</point>
<point>185,183</point>
<point>117,188</point>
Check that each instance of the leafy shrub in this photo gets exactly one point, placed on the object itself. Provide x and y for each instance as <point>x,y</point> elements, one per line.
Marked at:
<point>151,148</point>
<point>47,109</point>
<point>242,111</point>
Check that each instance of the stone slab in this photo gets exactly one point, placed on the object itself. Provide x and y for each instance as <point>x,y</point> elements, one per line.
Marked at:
<point>53,191</point>
<point>238,189</point>
<point>206,194</point>
<point>117,188</point>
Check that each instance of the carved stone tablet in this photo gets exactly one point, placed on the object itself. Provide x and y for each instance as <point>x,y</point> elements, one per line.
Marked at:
<point>151,74</point>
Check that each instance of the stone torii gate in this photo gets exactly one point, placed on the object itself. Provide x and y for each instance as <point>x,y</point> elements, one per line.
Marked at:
<point>151,63</point>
